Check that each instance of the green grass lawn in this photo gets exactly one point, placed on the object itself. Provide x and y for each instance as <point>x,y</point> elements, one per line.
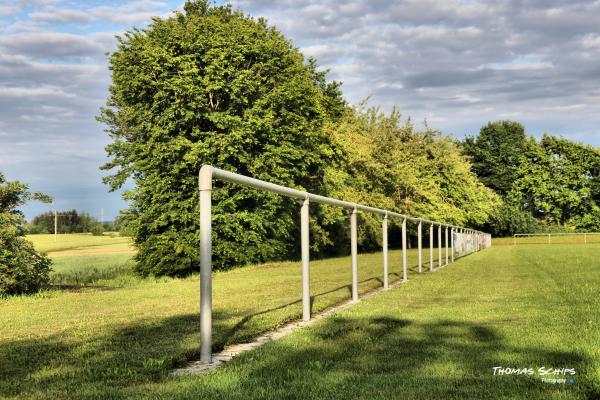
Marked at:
<point>438,336</point>
<point>86,269</point>
<point>74,241</point>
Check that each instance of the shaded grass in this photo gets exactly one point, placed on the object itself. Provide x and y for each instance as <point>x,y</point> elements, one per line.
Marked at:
<point>436,337</point>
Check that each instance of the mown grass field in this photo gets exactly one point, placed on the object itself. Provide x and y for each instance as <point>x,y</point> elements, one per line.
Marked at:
<point>76,241</point>
<point>438,336</point>
<point>84,259</point>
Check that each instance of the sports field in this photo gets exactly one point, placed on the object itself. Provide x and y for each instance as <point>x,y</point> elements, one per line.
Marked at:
<point>438,336</point>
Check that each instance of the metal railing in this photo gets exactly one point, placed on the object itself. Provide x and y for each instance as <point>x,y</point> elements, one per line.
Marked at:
<point>208,173</point>
<point>547,237</point>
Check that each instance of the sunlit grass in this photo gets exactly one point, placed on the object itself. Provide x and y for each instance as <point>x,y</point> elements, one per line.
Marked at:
<point>47,243</point>
<point>438,336</point>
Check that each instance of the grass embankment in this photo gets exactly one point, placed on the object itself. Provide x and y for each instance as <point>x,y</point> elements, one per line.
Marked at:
<point>439,336</point>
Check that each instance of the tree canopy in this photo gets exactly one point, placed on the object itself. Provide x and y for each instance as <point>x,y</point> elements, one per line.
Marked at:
<point>388,163</point>
<point>547,184</point>
<point>213,86</point>
<point>496,154</point>
<point>558,181</point>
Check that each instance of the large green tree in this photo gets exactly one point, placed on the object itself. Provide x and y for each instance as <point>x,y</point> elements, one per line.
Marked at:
<point>22,269</point>
<point>210,85</point>
<point>548,184</point>
<point>496,153</point>
<point>558,182</point>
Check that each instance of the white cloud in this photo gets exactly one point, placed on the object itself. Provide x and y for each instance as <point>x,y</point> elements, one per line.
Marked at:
<point>457,63</point>
<point>61,15</point>
<point>28,93</point>
<point>50,45</point>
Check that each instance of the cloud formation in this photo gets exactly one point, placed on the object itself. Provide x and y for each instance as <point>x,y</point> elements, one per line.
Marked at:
<point>458,64</point>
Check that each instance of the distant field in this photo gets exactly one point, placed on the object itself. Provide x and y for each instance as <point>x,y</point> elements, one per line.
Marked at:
<point>77,241</point>
<point>436,337</point>
<point>85,269</point>
<point>84,259</point>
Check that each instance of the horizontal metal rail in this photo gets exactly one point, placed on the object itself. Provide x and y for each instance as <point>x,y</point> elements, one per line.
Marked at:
<point>550,235</point>
<point>557,234</point>
<point>209,173</point>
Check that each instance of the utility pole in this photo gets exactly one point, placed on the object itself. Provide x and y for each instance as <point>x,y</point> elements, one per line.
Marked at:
<point>55,224</point>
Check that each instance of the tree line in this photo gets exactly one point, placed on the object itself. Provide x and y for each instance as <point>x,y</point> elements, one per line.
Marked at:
<point>71,221</point>
<point>546,185</point>
<point>211,85</point>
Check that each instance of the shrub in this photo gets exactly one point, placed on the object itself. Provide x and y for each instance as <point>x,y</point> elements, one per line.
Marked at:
<point>97,230</point>
<point>22,269</point>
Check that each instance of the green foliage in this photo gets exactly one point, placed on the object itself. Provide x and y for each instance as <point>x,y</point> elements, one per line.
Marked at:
<point>22,269</point>
<point>387,163</point>
<point>213,86</point>
<point>511,218</point>
<point>551,185</point>
<point>97,230</point>
<point>558,181</point>
<point>125,223</point>
<point>35,229</point>
<point>496,154</point>
<point>70,221</point>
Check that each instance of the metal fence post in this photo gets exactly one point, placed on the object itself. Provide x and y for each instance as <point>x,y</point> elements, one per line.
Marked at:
<point>205,183</point>
<point>452,244</point>
<point>446,241</point>
<point>431,248</point>
<point>354,251</point>
<point>404,272</point>
<point>384,228</point>
<point>420,244</point>
<point>305,250</point>
<point>439,246</point>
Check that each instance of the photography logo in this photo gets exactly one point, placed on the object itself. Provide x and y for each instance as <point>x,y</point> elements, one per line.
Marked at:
<point>547,375</point>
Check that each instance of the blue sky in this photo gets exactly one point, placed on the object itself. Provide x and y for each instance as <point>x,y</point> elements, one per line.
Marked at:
<point>456,64</point>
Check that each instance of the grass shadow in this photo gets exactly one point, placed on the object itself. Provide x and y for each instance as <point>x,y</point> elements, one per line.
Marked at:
<point>383,357</point>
